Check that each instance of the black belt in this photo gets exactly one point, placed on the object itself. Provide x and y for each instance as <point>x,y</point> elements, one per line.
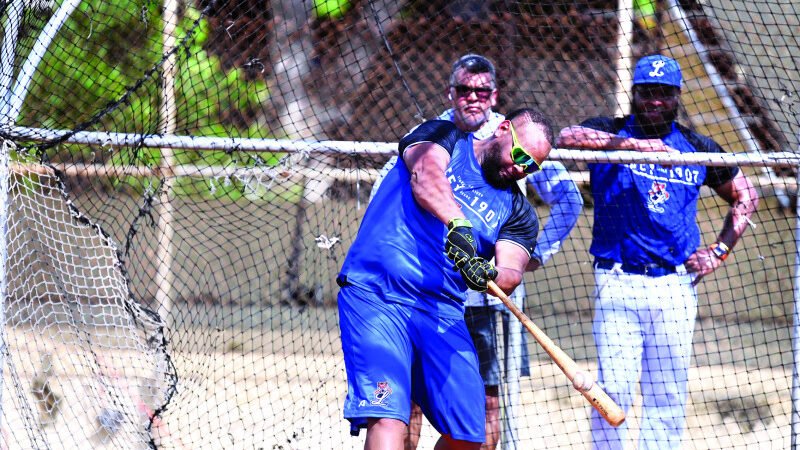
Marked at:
<point>650,270</point>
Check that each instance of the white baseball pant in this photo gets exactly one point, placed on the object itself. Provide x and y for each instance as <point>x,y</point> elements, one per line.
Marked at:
<point>643,329</point>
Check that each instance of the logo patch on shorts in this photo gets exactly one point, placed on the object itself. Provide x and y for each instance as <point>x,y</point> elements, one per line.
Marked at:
<point>382,393</point>
<point>656,196</point>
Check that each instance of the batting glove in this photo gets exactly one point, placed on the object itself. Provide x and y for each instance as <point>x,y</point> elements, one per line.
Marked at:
<point>477,272</point>
<point>460,245</point>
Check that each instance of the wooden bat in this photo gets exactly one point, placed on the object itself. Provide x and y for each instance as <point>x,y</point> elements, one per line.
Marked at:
<point>596,396</point>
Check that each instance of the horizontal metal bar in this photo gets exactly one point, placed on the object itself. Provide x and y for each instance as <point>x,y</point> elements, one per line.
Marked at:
<point>199,143</point>
<point>190,143</point>
<point>276,174</point>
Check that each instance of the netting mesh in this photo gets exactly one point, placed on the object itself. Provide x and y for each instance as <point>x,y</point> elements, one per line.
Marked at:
<point>185,297</point>
<point>77,346</point>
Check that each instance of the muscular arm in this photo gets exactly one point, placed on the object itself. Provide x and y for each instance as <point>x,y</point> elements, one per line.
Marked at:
<point>590,139</point>
<point>427,163</point>
<point>743,198</point>
<point>510,261</point>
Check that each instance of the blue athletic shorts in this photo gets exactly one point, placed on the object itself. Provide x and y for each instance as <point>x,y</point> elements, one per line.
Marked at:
<point>395,353</point>
<point>482,325</point>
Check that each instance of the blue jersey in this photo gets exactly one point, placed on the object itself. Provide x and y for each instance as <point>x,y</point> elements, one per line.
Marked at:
<point>646,213</point>
<point>399,249</point>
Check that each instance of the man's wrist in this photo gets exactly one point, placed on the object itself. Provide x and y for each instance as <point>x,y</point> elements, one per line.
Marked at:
<point>720,250</point>
<point>458,222</point>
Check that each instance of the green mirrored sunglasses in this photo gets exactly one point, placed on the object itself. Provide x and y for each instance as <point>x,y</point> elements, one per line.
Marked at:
<point>520,156</point>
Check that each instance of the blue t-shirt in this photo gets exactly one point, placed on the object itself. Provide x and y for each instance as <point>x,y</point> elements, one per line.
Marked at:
<point>399,249</point>
<point>646,213</point>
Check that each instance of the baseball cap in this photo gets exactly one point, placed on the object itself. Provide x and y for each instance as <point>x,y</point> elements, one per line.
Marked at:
<point>657,69</point>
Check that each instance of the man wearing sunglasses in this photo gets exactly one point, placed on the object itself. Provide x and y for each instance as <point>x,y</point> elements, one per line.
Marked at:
<point>443,212</point>
<point>472,92</point>
<point>648,258</point>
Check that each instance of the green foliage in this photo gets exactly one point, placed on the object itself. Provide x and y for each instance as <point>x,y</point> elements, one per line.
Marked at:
<point>199,72</point>
<point>91,62</point>
<point>331,9</point>
<point>103,68</point>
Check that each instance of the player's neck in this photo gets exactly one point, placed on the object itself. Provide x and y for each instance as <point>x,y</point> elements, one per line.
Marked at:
<point>654,131</point>
<point>479,148</point>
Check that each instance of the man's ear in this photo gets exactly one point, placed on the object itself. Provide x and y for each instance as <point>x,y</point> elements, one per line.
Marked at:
<point>504,126</point>
<point>493,98</point>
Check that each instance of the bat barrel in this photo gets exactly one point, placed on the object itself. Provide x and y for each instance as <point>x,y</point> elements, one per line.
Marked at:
<point>596,396</point>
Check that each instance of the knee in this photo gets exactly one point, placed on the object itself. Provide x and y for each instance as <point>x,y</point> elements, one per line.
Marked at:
<point>492,401</point>
<point>386,427</point>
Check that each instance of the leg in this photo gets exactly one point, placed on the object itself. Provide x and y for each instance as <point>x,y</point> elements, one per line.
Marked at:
<point>492,418</point>
<point>516,366</point>
<point>377,387</point>
<point>414,428</point>
<point>446,382</point>
<point>482,325</point>
<point>385,434</point>
<point>447,443</point>
<point>668,351</point>
<point>618,337</point>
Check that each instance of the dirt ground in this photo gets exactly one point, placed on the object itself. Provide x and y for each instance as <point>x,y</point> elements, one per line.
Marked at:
<point>240,397</point>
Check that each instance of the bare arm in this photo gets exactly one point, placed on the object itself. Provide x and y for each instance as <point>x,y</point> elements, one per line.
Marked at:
<point>510,260</point>
<point>589,139</point>
<point>743,198</point>
<point>427,163</point>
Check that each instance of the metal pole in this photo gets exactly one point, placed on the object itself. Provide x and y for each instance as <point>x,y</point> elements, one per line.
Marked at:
<point>7,56</point>
<point>624,42</point>
<point>22,84</point>
<point>166,250</point>
<point>796,333</point>
<point>4,200</point>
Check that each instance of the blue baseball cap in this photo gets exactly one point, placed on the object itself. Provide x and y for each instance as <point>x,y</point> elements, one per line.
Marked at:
<point>657,69</point>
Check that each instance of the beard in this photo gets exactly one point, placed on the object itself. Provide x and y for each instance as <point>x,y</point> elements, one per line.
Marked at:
<point>492,167</point>
<point>473,121</point>
<point>655,122</point>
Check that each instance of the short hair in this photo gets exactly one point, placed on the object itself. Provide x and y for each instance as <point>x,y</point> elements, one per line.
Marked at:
<point>473,64</point>
<point>536,117</point>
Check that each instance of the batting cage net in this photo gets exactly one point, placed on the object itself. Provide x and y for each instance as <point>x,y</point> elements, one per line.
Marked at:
<point>182,181</point>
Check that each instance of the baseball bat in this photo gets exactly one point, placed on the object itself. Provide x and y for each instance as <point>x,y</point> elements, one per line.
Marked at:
<point>596,396</point>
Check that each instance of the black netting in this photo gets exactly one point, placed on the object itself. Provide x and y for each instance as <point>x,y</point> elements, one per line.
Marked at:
<point>237,249</point>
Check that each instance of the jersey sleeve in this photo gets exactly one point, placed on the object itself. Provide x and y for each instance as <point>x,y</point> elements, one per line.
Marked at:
<point>715,176</point>
<point>522,226</point>
<point>555,186</point>
<point>440,132</point>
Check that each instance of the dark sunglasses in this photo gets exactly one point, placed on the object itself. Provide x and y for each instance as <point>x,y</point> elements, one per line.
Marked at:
<point>657,92</point>
<point>483,93</point>
<point>520,156</point>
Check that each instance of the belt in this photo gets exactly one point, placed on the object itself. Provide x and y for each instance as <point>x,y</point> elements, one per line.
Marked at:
<point>650,270</point>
